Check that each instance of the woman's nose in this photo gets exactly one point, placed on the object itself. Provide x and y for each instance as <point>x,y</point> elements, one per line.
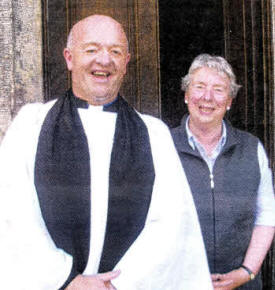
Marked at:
<point>207,94</point>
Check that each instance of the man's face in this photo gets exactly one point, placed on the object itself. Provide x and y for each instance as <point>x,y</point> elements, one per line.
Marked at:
<point>208,97</point>
<point>97,59</point>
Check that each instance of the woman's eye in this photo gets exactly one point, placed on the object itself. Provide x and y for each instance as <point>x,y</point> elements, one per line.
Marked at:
<point>198,86</point>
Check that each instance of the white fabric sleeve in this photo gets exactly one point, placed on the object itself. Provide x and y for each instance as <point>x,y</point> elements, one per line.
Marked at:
<point>29,259</point>
<point>169,253</point>
<point>265,207</point>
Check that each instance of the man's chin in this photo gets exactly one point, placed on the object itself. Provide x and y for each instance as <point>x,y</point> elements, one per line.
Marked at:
<point>99,100</point>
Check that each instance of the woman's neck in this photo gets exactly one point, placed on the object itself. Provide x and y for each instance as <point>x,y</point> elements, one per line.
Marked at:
<point>207,136</point>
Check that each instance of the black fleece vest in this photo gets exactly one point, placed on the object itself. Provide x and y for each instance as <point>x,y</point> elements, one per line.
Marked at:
<point>227,211</point>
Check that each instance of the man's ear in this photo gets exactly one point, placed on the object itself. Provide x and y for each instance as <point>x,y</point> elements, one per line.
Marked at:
<point>68,57</point>
<point>128,58</point>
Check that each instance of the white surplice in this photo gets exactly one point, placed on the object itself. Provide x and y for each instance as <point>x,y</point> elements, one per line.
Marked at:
<point>168,254</point>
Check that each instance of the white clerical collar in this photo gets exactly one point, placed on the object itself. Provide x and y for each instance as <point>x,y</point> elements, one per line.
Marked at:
<point>99,108</point>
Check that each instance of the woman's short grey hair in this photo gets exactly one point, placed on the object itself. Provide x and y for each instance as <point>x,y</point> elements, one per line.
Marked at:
<point>215,62</point>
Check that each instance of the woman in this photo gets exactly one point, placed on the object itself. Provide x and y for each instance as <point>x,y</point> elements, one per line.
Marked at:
<point>229,177</point>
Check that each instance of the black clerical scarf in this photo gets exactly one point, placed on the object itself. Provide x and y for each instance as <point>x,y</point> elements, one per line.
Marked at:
<point>63,177</point>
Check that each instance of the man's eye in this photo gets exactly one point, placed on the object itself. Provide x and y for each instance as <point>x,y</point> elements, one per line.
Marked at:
<point>116,52</point>
<point>91,50</point>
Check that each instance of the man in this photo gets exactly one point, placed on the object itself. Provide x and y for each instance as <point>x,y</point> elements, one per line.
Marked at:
<point>96,186</point>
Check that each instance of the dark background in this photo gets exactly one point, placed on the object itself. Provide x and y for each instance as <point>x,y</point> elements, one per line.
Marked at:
<point>187,28</point>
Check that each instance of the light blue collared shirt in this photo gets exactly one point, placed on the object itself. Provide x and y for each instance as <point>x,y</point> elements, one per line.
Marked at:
<point>265,208</point>
<point>194,143</point>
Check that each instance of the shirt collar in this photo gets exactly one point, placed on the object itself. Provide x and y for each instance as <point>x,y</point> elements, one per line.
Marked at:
<point>193,141</point>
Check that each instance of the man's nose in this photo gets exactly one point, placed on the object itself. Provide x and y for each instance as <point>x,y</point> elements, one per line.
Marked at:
<point>103,57</point>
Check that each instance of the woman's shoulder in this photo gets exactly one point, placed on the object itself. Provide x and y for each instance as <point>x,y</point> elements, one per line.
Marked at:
<point>244,135</point>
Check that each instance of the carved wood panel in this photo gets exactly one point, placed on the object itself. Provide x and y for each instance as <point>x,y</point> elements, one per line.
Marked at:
<point>248,49</point>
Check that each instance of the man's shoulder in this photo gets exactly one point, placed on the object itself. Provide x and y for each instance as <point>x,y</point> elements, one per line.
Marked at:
<point>27,122</point>
<point>157,129</point>
<point>35,109</point>
<point>31,114</point>
<point>37,106</point>
<point>152,121</point>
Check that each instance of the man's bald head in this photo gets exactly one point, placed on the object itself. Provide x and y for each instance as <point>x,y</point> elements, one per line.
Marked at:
<point>97,56</point>
<point>96,19</point>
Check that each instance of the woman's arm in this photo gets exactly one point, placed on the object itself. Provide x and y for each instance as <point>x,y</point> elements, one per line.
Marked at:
<point>262,237</point>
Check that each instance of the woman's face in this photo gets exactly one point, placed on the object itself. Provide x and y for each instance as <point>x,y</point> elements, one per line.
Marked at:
<point>208,97</point>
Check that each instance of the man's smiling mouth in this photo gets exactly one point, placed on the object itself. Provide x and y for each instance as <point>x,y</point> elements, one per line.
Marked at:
<point>101,73</point>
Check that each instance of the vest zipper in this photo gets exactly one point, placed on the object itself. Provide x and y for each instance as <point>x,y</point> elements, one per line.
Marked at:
<point>212,185</point>
<point>212,181</point>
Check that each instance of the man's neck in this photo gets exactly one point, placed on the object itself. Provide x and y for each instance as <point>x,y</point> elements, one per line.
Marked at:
<point>95,100</point>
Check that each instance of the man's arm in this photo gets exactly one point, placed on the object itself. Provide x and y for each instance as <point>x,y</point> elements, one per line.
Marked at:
<point>29,258</point>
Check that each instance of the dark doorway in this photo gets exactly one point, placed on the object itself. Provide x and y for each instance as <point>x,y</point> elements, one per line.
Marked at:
<point>187,28</point>
<point>241,31</point>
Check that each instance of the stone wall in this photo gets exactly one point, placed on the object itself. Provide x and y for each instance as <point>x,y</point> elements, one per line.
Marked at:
<point>21,78</point>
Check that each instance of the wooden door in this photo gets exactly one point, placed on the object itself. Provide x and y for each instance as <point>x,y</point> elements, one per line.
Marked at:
<point>248,47</point>
<point>140,19</point>
<point>240,30</point>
